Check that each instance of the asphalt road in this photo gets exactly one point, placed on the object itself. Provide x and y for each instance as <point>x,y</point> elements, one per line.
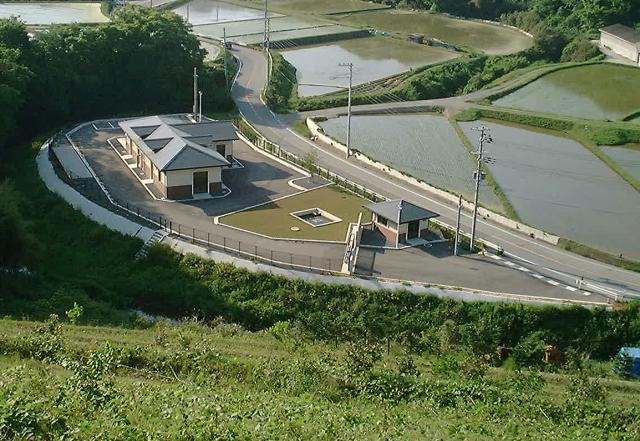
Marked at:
<point>535,255</point>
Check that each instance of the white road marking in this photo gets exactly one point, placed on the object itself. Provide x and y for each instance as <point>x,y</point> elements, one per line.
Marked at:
<point>537,276</point>
<point>522,268</point>
<point>552,282</point>
<point>494,256</point>
<point>571,288</point>
<point>586,293</point>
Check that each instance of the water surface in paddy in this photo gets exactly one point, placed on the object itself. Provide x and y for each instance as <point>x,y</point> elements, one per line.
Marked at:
<point>558,185</point>
<point>210,11</point>
<point>53,13</point>
<point>373,58</point>
<point>599,91</point>
<point>629,159</point>
<point>492,39</point>
<point>424,146</point>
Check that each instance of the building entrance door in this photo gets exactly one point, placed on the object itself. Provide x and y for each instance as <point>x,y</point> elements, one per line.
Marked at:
<point>200,182</point>
<point>413,229</point>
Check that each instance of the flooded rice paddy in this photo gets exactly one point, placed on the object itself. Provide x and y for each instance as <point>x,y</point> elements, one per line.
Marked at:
<point>53,13</point>
<point>599,91</point>
<point>629,159</point>
<point>210,11</point>
<point>558,185</point>
<point>491,39</point>
<point>252,31</point>
<point>313,6</point>
<point>373,58</point>
<point>422,145</point>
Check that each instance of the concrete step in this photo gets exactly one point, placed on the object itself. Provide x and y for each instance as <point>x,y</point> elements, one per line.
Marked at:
<point>156,237</point>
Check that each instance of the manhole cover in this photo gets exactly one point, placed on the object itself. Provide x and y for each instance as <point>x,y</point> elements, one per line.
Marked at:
<point>295,228</point>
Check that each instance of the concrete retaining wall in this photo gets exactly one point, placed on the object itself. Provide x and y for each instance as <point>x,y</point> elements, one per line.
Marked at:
<point>316,130</point>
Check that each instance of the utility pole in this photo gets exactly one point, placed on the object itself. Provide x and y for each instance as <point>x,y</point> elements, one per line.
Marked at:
<point>398,224</point>
<point>224,52</point>
<point>217,13</point>
<point>195,92</point>
<point>455,244</point>
<point>478,176</point>
<point>350,66</point>
<point>200,106</point>
<point>266,29</point>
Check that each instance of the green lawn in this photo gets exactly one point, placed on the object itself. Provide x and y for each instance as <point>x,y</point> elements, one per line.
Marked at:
<point>273,219</point>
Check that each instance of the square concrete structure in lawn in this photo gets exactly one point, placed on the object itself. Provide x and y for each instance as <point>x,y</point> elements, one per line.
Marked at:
<point>622,40</point>
<point>401,221</point>
<point>183,159</point>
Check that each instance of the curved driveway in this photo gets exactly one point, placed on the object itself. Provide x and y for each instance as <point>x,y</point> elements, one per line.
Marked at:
<point>530,253</point>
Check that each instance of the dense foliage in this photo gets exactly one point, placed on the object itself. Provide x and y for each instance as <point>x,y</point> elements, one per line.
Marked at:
<point>282,83</point>
<point>187,381</point>
<point>73,72</point>
<point>571,16</point>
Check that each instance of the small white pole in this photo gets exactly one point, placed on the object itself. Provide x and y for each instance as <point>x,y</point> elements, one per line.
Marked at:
<point>200,106</point>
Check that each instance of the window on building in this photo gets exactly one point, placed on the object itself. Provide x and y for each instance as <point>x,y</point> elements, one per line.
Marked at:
<point>220,148</point>
<point>382,220</point>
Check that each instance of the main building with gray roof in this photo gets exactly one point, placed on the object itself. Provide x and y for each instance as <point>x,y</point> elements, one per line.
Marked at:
<point>182,158</point>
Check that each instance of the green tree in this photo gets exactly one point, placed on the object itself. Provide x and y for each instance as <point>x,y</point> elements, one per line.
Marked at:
<point>18,245</point>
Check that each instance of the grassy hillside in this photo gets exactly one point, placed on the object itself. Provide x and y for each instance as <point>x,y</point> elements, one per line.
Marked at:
<point>189,381</point>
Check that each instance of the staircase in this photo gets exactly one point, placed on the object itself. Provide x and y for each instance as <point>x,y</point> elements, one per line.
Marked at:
<point>156,237</point>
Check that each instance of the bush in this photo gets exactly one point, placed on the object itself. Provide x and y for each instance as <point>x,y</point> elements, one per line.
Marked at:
<point>530,351</point>
<point>282,84</point>
<point>578,50</point>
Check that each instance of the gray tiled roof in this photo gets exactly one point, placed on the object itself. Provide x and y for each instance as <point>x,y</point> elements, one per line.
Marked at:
<point>624,32</point>
<point>172,144</point>
<point>410,212</point>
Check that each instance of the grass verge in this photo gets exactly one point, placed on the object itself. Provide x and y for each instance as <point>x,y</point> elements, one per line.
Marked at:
<point>509,210</point>
<point>601,256</point>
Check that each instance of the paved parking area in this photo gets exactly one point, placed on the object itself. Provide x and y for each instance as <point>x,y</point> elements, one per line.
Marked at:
<point>262,178</point>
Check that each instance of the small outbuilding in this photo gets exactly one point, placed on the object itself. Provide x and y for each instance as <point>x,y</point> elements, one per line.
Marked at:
<point>622,40</point>
<point>416,38</point>
<point>401,221</point>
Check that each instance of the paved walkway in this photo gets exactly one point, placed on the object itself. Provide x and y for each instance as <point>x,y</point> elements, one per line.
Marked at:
<point>79,202</point>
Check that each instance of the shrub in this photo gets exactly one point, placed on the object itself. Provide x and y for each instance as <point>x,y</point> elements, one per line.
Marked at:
<point>578,50</point>
<point>530,351</point>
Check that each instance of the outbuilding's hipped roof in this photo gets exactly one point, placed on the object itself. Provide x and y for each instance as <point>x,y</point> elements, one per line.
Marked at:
<point>624,32</point>
<point>406,210</point>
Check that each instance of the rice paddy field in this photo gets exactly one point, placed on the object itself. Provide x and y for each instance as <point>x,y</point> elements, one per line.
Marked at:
<point>53,12</point>
<point>628,158</point>
<point>556,184</point>
<point>274,219</point>
<point>210,11</point>
<point>488,38</point>
<point>373,58</point>
<point>315,7</point>
<point>422,145</point>
<point>597,91</point>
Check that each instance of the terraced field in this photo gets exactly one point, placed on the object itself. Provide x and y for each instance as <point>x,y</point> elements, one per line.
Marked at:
<point>598,91</point>
<point>491,39</point>
<point>53,12</point>
<point>558,185</point>
<point>373,58</point>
